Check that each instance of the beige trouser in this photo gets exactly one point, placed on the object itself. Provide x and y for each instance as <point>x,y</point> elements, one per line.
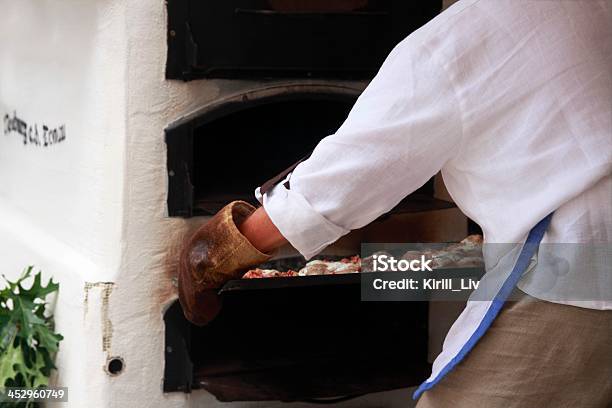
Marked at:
<point>536,354</point>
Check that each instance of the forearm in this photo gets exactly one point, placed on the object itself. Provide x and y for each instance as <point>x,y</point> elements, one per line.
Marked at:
<point>261,232</point>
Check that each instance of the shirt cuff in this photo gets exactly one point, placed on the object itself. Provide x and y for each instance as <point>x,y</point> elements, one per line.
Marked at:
<point>308,231</point>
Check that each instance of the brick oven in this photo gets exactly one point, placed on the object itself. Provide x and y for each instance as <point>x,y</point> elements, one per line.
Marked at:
<point>125,113</point>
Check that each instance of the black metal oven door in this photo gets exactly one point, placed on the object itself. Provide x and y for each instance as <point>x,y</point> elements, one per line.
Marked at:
<point>287,38</point>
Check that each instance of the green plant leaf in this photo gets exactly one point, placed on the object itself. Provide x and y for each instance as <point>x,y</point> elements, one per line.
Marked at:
<point>39,377</point>
<point>11,358</point>
<point>27,339</point>
<point>8,331</point>
<point>24,311</point>
<point>37,290</point>
<point>47,338</point>
<point>31,369</point>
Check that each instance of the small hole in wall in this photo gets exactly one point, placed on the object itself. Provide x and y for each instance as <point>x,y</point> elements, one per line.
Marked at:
<point>115,365</point>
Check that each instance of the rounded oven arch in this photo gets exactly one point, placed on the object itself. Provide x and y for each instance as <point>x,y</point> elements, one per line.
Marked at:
<point>227,148</point>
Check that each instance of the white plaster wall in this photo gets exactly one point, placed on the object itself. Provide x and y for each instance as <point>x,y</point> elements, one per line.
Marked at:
<point>55,62</point>
<point>62,62</point>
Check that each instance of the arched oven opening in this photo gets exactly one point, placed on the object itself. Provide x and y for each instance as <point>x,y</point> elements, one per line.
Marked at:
<point>223,151</point>
<point>311,341</point>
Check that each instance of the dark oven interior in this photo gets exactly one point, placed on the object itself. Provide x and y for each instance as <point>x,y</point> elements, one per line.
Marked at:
<point>290,38</point>
<point>246,148</point>
<point>298,339</point>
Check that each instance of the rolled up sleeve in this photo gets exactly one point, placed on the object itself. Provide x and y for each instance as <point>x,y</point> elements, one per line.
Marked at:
<point>304,227</point>
<point>402,130</point>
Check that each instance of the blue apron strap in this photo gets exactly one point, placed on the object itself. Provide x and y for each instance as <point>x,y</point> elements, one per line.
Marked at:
<point>529,249</point>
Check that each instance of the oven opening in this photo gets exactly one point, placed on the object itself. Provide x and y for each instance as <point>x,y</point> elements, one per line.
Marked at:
<point>313,339</point>
<point>320,38</point>
<point>240,151</point>
<point>223,152</point>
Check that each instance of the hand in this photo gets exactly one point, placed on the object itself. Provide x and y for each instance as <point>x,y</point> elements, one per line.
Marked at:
<point>215,254</point>
<point>261,232</point>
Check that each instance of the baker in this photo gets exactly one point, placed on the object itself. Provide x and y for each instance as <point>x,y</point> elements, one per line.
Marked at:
<point>511,101</point>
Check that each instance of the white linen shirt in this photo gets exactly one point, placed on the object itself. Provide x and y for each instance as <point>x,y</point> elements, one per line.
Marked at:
<point>510,99</point>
